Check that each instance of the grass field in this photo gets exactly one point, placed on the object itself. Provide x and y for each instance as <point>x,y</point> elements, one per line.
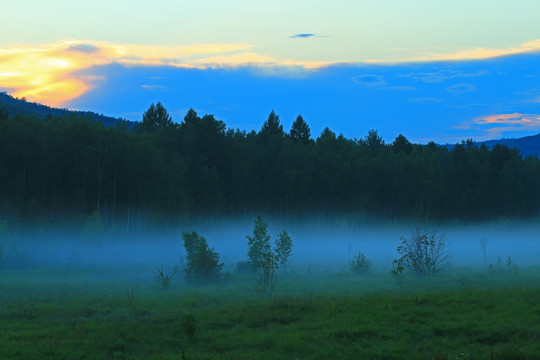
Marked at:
<point>90,314</point>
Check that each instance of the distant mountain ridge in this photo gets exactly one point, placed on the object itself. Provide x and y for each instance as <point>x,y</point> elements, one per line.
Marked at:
<point>21,106</point>
<point>528,145</point>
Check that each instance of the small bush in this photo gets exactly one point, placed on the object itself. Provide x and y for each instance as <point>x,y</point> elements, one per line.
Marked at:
<point>508,267</point>
<point>189,328</point>
<point>423,253</point>
<point>360,264</point>
<point>165,280</point>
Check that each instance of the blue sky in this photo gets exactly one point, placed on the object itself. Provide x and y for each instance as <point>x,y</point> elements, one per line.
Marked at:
<point>443,71</point>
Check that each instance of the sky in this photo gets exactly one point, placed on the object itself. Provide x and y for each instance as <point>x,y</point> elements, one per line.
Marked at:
<point>445,71</point>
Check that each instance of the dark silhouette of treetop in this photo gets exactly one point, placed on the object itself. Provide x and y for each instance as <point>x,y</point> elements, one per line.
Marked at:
<point>272,127</point>
<point>401,144</point>
<point>156,116</point>
<point>191,117</point>
<point>300,131</point>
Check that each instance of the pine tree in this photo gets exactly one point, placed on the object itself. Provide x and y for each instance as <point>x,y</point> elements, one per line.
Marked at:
<point>300,131</point>
<point>156,116</point>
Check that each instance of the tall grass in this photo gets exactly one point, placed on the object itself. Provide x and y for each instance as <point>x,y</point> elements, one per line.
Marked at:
<point>78,314</point>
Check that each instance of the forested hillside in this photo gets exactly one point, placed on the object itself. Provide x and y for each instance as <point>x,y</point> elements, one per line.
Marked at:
<point>22,107</point>
<point>70,168</point>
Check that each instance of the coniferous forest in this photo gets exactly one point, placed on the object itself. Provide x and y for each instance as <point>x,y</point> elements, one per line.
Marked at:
<point>72,168</point>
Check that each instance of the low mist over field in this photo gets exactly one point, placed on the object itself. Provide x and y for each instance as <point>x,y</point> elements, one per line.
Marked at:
<point>322,248</point>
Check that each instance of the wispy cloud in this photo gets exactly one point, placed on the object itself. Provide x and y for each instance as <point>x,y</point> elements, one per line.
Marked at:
<point>152,87</point>
<point>441,76</point>
<point>478,53</point>
<point>425,100</point>
<point>302,36</point>
<point>85,48</point>
<point>370,80</point>
<point>495,125</point>
<point>460,89</point>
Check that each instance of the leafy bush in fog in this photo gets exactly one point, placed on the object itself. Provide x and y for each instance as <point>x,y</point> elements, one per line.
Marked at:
<point>203,264</point>
<point>425,252</point>
<point>360,264</point>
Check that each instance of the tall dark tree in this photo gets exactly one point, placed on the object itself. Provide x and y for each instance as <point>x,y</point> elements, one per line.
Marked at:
<point>271,127</point>
<point>156,116</point>
<point>401,144</point>
<point>300,131</point>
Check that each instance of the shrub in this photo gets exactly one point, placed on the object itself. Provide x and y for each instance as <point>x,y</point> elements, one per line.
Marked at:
<point>203,266</point>
<point>424,252</point>
<point>189,328</point>
<point>360,264</point>
<point>268,264</point>
<point>508,267</point>
<point>164,279</point>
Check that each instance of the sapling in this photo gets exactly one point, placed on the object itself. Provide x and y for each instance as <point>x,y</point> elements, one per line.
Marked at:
<point>164,279</point>
<point>258,243</point>
<point>283,248</point>
<point>483,244</point>
<point>268,264</point>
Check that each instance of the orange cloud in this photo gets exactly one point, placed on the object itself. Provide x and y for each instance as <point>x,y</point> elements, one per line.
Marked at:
<point>510,119</point>
<point>479,53</point>
<point>49,73</point>
<point>495,125</point>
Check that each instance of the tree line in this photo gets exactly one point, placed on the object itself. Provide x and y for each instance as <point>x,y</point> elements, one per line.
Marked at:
<point>71,168</point>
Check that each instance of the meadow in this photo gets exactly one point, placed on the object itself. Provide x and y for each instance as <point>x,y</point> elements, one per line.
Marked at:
<point>316,312</point>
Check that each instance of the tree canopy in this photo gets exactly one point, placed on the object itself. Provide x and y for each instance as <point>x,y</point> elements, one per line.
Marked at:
<point>72,168</point>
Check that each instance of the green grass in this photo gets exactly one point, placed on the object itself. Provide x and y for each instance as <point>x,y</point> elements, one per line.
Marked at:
<point>83,314</point>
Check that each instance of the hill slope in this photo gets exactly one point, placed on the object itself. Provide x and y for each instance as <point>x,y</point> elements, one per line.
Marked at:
<point>20,106</point>
<point>528,145</point>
